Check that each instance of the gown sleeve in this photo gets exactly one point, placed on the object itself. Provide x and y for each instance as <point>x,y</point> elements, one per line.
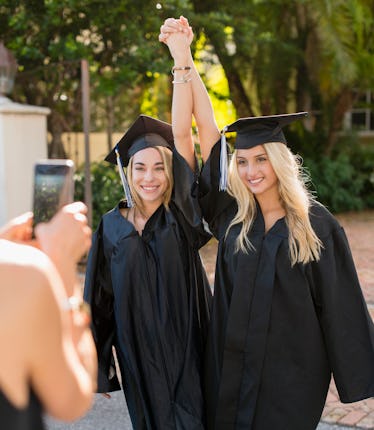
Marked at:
<point>190,219</point>
<point>345,321</point>
<point>98,293</point>
<point>185,199</point>
<point>212,201</point>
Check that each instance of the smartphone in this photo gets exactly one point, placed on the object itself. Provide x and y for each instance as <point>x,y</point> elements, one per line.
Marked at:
<point>53,187</point>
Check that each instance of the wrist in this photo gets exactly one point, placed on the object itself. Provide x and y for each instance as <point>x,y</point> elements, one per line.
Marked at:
<point>181,61</point>
<point>67,270</point>
<point>182,58</point>
<point>80,310</point>
<point>181,75</point>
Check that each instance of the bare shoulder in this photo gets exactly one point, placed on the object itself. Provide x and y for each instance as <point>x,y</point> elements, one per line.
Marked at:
<point>28,277</point>
<point>30,316</point>
<point>20,255</point>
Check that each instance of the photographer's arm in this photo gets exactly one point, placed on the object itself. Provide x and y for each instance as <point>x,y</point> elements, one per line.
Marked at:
<point>61,354</point>
<point>64,365</point>
<point>65,239</point>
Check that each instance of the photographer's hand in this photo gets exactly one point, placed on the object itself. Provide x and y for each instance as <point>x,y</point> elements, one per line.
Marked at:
<point>65,239</point>
<point>18,229</point>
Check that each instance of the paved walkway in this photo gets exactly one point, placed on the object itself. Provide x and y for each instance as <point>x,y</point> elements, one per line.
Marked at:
<point>359,228</point>
<point>112,414</point>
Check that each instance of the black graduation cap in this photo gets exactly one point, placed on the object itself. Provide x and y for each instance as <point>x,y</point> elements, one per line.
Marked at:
<point>145,132</point>
<point>253,131</point>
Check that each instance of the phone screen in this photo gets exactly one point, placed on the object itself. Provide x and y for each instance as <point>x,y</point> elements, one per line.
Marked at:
<point>53,188</point>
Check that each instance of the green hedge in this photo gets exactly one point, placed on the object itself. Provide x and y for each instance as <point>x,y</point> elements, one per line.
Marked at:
<point>107,189</point>
<point>346,181</point>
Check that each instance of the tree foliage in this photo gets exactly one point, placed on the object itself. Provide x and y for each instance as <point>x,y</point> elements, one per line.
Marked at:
<point>257,57</point>
<point>49,38</point>
<point>279,56</point>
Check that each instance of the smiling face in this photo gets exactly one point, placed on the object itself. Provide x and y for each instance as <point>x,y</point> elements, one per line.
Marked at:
<point>256,171</point>
<point>148,176</point>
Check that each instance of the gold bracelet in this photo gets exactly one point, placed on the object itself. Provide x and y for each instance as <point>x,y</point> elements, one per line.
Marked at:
<point>175,68</point>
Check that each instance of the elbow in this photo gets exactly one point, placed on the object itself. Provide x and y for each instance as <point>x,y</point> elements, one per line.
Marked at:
<point>207,122</point>
<point>78,411</point>
<point>182,136</point>
<point>73,404</point>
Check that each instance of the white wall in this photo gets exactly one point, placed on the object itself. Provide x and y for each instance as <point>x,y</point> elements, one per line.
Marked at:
<point>23,140</point>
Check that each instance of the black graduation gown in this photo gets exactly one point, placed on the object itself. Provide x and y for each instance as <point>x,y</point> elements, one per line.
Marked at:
<point>150,299</point>
<point>277,332</point>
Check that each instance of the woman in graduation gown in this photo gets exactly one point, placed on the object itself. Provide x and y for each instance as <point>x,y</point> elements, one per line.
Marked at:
<point>288,310</point>
<point>145,282</point>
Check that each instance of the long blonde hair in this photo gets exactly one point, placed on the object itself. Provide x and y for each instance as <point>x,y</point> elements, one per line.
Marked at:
<point>304,245</point>
<point>166,156</point>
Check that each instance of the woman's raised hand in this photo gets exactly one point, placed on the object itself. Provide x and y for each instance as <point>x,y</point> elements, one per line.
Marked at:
<point>172,26</point>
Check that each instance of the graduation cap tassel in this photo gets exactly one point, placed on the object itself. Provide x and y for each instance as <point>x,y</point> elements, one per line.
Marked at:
<point>223,163</point>
<point>125,184</point>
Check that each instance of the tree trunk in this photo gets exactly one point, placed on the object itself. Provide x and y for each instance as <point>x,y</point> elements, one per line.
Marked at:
<point>110,121</point>
<point>237,91</point>
<point>342,104</point>
<point>217,39</point>
<point>306,44</point>
<point>56,148</point>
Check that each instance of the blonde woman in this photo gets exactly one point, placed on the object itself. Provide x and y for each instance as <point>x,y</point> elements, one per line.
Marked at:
<point>288,310</point>
<point>146,284</point>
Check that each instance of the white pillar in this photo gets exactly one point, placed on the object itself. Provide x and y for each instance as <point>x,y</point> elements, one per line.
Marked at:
<point>23,140</point>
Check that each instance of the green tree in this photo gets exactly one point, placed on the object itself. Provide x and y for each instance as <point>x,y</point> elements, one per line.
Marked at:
<point>50,37</point>
<point>277,56</point>
<point>282,55</point>
<point>48,58</point>
<point>340,59</point>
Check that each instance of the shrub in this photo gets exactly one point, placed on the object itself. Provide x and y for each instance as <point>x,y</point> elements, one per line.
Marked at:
<point>107,189</point>
<point>362,158</point>
<point>337,183</point>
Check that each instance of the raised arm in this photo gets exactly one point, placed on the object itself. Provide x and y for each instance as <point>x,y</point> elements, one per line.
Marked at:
<point>179,47</point>
<point>201,104</point>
